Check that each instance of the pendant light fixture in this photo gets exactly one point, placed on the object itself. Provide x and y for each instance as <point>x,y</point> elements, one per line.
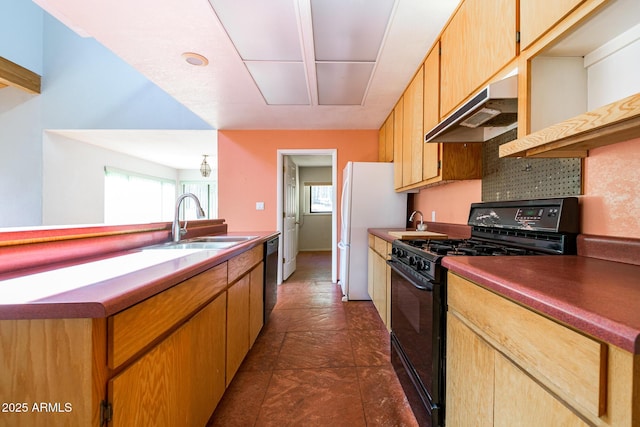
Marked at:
<point>205,169</point>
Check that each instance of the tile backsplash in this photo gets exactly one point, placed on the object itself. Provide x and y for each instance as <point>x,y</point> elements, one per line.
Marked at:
<point>523,178</point>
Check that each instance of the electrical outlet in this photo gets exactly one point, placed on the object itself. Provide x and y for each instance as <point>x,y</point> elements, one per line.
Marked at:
<point>259,206</point>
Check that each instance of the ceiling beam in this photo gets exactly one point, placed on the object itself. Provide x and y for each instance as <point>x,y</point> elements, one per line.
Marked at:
<point>12,74</point>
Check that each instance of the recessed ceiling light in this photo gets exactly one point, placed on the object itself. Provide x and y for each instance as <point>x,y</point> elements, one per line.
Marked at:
<point>195,59</point>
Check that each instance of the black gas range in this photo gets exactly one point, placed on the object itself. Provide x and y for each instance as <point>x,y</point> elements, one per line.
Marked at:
<point>418,285</point>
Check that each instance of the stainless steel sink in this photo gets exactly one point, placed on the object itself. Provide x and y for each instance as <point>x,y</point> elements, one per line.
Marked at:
<point>205,243</point>
<point>216,239</point>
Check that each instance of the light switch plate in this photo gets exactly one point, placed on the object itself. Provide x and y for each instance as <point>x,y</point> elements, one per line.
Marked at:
<point>259,206</point>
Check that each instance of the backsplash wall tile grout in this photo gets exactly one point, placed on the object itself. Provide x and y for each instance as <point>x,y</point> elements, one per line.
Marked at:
<point>524,178</point>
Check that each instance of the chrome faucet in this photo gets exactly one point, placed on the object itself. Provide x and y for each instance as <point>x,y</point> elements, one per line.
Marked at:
<point>422,226</point>
<point>176,230</point>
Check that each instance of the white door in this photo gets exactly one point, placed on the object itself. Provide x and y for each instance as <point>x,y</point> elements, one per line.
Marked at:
<point>289,226</point>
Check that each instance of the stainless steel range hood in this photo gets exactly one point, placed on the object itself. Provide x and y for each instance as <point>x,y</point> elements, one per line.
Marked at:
<point>493,111</point>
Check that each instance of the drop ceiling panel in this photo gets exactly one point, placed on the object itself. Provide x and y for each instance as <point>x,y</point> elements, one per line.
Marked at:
<point>349,30</point>
<point>342,83</point>
<point>281,83</point>
<point>261,30</point>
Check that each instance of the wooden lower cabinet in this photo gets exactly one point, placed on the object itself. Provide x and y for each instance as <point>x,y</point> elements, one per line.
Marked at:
<point>54,372</point>
<point>244,317</point>
<point>508,365</point>
<point>256,302</point>
<point>379,277</point>
<point>237,325</point>
<point>521,401</point>
<point>162,362</point>
<point>470,374</point>
<point>180,381</point>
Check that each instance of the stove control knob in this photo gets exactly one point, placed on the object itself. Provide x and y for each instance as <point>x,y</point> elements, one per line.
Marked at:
<point>421,265</point>
<point>413,260</point>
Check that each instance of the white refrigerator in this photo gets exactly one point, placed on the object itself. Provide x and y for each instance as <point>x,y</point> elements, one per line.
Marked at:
<point>368,201</point>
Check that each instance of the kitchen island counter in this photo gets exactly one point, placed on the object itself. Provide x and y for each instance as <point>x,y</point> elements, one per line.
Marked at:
<point>105,293</point>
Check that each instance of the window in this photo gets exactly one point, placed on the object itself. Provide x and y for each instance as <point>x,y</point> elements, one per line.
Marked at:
<point>321,198</point>
<point>206,192</point>
<point>131,198</point>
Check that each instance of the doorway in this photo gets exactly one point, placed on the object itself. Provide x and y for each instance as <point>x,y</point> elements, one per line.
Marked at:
<point>289,222</point>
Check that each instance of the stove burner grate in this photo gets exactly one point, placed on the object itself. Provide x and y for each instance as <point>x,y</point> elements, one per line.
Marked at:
<point>467,247</point>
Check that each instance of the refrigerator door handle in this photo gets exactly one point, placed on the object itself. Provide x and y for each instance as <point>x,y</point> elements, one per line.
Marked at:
<point>342,245</point>
<point>343,196</point>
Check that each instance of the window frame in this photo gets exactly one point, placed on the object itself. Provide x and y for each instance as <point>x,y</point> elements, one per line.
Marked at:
<point>166,202</point>
<point>309,205</point>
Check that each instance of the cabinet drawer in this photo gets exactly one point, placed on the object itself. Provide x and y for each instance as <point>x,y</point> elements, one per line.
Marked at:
<point>133,329</point>
<point>380,246</point>
<point>242,263</point>
<point>570,364</point>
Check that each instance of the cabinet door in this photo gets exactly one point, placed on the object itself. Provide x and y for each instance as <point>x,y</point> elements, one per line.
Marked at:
<point>431,117</point>
<point>371,256</point>
<point>469,379</point>
<point>180,381</point>
<point>520,401</point>
<point>412,131</point>
<point>380,286</point>
<point>382,143</point>
<point>256,302</point>
<point>388,289</point>
<point>537,16</point>
<point>398,161</point>
<point>389,138</point>
<point>479,40</point>
<point>237,325</point>
<point>385,140</point>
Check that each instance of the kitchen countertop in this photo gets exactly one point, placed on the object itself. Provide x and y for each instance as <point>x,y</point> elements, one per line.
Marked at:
<point>598,297</point>
<point>71,295</point>
<point>453,231</point>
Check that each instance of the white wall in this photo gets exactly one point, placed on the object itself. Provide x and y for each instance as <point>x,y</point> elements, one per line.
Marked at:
<point>314,233</point>
<point>20,161</point>
<point>20,158</point>
<point>73,179</point>
<point>613,69</point>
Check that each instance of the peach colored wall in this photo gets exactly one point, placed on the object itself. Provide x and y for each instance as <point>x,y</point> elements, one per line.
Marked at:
<point>609,206</point>
<point>247,163</point>
<point>450,201</point>
<point>611,202</point>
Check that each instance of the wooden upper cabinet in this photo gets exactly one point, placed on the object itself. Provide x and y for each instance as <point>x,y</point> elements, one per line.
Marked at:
<point>538,16</point>
<point>382,147</point>
<point>479,41</point>
<point>431,116</point>
<point>389,138</point>
<point>398,165</point>
<point>385,140</point>
<point>412,130</point>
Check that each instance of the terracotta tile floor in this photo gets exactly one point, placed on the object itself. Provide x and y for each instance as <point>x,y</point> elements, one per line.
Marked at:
<point>318,361</point>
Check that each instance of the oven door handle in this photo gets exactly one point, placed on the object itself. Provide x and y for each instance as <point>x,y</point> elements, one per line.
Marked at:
<point>391,262</point>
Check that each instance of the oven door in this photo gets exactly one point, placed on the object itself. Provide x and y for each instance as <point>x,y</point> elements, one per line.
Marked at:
<point>417,337</point>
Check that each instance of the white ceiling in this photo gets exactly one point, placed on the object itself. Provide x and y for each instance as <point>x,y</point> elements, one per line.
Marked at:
<point>290,58</point>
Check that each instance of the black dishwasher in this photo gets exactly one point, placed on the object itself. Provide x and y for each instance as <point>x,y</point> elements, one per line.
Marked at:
<point>270,276</point>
